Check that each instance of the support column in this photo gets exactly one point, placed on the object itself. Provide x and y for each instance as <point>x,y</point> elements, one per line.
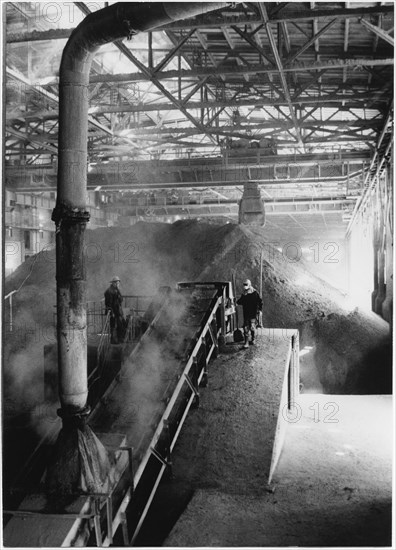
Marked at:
<point>381,251</point>
<point>387,305</point>
<point>375,270</point>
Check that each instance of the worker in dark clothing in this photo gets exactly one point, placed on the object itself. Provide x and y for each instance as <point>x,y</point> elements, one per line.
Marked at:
<point>252,304</point>
<point>113,303</point>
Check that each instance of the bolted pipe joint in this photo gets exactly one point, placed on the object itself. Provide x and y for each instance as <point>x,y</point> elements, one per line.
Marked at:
<point>74,418</point>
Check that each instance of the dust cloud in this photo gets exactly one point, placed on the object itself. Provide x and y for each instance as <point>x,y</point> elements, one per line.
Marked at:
<point>347,347</point>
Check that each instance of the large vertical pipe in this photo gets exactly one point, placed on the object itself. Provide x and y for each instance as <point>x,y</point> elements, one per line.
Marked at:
<point>70,214</point>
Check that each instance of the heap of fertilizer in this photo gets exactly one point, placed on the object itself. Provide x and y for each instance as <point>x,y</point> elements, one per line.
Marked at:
<point>349,349</point>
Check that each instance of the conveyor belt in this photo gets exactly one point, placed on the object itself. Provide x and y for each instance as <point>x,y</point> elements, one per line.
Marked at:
<point>149,399</point>
<point>144,407</point>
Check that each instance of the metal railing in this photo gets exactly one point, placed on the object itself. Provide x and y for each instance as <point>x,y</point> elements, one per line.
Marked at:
<point>179,395</point>
<point>137,303</point>
<point>97,512</point>
<point>289,395</point>
<point>104,343</point>
<point>179,399</point>
<point>135,329</point>
<point>10,319</point>
<point>96,318</point>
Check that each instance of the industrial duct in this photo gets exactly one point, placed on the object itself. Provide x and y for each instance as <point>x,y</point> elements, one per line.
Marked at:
<point>111,23</point>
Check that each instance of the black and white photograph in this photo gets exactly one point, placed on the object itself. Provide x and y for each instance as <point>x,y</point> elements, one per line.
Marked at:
<point>197,274</point>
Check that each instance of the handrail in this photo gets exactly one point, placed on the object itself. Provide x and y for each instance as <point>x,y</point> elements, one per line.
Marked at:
<point>104,342</point>
<point>193,373</point>
<point>10,295</point>
<point>130,334</point>
<point>209,348</point>
<point>137,297</point>
<point>104,525</point>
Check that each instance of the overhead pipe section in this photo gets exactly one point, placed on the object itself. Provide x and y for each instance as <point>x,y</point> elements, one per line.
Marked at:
<point>71,217</point>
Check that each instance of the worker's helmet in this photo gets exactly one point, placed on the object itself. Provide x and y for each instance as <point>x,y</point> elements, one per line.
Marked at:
<point>115,279</point>
<point>247,283</point>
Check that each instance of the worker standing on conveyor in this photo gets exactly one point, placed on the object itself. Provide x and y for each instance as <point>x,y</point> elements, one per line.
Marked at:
<point>252,304</point>
<point>113,303</point>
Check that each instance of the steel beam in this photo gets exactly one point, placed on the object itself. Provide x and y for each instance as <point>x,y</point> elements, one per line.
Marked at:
<point>225,20</point>
<point>306,86</point>
<point>51,97</point>
<point>376,164</point>
<point>356,100</point>
<point>152,76</point>
<point>37,36</point>
<point>278,61</point>
<point>284,15</point>
<point>173,52</point>
<point>254,44</point>
<point>141,131</point>
<point>186,74</point>
<point>233,163</point>
<point>313,40</point>
<point>378,32</point>
<point>315,29</point>
<point>113,181</point>
<point>28,138</point>
<point>286,36</point>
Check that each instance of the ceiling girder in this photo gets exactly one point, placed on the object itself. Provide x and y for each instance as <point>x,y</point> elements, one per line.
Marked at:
<point>289,15</point>
<point>152,76</point>
<point>278,61</point>
<point>376,163</point>
<point>230,42</point>
<point>315,29</point>
<point>217,21</point>
<point>201,81</point>
<point>173,52</point>
<point>32,139</point>
<point>378,32</point>
<point>16,76</point>
<point>306,86</point>
<point>270,125</point>
<point>254,44</point>
<point>252,70</point>
<point>310,42</point>
<point>286,36</point>
<point>109,185</point>
<point>228,60</point>
<point>303,159</point>
<point>354,102</point>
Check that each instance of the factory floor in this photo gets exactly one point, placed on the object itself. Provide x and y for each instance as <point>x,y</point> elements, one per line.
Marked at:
<point>332,485</point>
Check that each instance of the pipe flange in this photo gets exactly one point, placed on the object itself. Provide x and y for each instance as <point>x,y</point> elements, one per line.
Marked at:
<point>130,31</point>
<point>121,14</point>
<point>64,213</point>
<point>74,418</point>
